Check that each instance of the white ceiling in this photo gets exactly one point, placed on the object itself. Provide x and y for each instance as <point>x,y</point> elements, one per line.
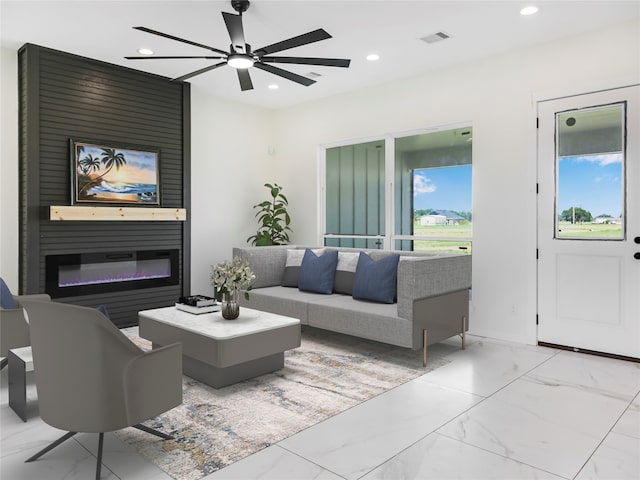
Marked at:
<point>393,29</point>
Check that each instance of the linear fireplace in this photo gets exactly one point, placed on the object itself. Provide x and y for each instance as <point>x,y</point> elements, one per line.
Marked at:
<point>90,273</point>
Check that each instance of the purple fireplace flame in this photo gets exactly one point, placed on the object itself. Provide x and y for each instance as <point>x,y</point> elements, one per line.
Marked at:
<point>84,274</point>
<point>96,273</point>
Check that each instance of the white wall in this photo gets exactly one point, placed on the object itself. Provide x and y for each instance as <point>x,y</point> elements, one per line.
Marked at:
<point>230,163</point>
<point>230,159</point>
<point>9,167</point>
<point>495,94</point>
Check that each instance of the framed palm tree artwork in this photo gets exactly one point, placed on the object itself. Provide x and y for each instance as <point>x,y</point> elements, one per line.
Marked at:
<point>114,174</point>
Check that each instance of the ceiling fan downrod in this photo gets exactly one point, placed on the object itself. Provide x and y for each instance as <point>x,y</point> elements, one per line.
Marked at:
<point>240,6</point>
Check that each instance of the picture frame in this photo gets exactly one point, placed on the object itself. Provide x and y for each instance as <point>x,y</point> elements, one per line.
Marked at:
<point>111,173</point>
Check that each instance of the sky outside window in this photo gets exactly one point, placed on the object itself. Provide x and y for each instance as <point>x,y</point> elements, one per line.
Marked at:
<point>591,182</point>
<point>447,188</point>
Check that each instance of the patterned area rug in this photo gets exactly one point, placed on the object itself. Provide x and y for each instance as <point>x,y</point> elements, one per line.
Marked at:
<point>328,374</point>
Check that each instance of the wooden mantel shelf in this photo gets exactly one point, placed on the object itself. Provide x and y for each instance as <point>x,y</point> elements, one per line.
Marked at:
<point>81,212</point>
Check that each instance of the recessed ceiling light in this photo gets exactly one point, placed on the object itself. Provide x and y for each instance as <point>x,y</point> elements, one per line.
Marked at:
<point>530,10</point>
<point>145,51</point>
<point>273,86</point>
<point>372,57</point>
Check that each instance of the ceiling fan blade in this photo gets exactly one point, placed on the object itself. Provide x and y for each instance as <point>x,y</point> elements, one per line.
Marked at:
<point>198,72</point>
<point>147,57</point>
<point>236,32</point>
<point>178,39</point>
<point>327,62</point>
<point>294,77</point>
<point>303,39</point>
<point>245,79</point>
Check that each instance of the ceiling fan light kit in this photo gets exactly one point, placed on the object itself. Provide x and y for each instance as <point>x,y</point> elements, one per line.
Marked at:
<point>241,58</point>
<point>240,61</point>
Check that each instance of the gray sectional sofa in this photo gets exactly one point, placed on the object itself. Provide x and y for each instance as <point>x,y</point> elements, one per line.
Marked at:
<point>432,298</point>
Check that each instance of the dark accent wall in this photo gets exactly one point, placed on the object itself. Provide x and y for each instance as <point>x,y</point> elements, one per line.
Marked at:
<point>65,96</point>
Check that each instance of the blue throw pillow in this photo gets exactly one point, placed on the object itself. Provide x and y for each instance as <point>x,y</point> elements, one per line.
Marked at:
<point>317,272</point>
<point>376,280</point>
<point>6,300</point>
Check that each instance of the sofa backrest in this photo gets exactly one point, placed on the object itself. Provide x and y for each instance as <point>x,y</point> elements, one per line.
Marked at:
<point>268,263</point>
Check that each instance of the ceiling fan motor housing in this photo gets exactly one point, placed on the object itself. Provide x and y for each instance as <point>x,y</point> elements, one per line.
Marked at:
<point>240,5</point>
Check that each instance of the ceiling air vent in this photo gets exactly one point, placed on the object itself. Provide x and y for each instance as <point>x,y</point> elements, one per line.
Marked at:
<point>435,37</point>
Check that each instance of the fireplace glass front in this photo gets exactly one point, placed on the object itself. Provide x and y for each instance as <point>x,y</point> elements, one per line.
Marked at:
<point>90,273</point>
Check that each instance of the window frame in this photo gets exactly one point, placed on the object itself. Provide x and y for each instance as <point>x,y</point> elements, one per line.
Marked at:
<point>389,238</point>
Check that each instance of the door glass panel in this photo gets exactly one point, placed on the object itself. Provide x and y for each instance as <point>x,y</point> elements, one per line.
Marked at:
<point>590,166</point>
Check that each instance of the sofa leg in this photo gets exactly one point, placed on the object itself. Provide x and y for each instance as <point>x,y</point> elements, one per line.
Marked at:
<point>463,335</point>
<point>424,348</point>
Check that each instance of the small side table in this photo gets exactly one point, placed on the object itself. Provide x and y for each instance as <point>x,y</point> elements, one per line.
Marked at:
<point>20,362</point>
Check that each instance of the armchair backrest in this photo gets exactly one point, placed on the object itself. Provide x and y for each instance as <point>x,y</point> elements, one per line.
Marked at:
<point>79,359</point>
<point>14,330</point>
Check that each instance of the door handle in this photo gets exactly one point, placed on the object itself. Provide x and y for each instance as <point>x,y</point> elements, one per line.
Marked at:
<point>636,255</point>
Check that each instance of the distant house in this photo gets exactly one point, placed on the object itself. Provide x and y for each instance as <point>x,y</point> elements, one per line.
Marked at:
<point>426,220</point>
<point>441,217</point>
<point>609,220</point>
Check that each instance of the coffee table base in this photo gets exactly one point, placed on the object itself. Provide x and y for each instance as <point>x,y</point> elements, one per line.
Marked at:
<point>222,377</point>
<point>219,352</point>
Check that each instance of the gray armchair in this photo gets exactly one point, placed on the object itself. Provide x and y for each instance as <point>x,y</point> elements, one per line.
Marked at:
<point>14,329</point>
<point>91,378</point>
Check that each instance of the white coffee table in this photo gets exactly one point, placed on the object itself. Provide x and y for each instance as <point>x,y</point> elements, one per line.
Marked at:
<point>221,352</point>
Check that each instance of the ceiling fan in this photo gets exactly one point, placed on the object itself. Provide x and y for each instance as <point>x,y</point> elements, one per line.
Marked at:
<point>241,57</point>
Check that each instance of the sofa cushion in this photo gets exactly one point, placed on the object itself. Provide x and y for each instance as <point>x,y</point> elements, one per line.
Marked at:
<point>374,321</point>
<point>376,280</point>
<point>317,272</point>
<point>286,301</point>
<point>292,265</point>
<point>345,272</point>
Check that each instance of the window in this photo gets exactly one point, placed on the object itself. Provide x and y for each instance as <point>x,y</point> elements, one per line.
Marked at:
<point>590,173</point>
<point>427,206</point>
<point>355,200</point>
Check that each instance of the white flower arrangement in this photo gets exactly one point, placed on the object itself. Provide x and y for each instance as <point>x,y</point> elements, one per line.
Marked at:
<point>232,275</point>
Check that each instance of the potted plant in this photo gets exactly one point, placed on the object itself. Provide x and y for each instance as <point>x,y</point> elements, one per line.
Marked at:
<point>228,278</point>
<point>273,219</point>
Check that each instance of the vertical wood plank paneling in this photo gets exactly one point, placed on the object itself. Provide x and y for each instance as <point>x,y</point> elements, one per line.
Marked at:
<point>186,174</point>
<point>29,149</point>
<point>64,97</point>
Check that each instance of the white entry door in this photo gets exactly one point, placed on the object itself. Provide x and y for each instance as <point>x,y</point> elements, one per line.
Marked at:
<point>589,222</point>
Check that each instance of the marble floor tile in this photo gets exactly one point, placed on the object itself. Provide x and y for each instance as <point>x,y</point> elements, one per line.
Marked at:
<point>451,345</point>
<point>21,439</point>
<point>484,367</point>
<point>356,441</point>
<point>596,373</point>
<point>629,423</point>
<point>500,410</point>
<point>122,459</point>
<point>273,463</point>
<point>437,457</point>
<point>68,461</point>
<point>548,425</point>
<point>618,457</point>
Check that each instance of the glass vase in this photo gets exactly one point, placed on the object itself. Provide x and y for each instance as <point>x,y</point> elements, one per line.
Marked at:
<point>230,307</point>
